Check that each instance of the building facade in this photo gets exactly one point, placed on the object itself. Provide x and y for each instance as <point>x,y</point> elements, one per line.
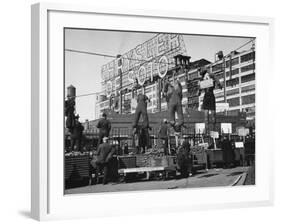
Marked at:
<point>240,82</point>
<point>236,69</point>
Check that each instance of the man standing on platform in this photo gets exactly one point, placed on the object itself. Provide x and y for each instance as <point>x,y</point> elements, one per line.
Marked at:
<point>173,95</point>
<point>141,110</point>
<point>104,127</point>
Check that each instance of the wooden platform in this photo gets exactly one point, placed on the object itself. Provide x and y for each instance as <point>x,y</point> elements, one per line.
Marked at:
<point>146,169</point>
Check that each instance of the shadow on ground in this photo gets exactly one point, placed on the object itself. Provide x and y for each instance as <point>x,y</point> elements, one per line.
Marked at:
<point>235,174</point>
<point>208,175</point>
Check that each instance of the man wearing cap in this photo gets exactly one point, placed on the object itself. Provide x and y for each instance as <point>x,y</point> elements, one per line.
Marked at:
<point>104,127</point>
<point>103,156</point>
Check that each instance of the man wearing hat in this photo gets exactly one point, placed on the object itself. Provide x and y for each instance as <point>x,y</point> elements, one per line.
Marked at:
<point>104,154</point>
<point>104,127</point>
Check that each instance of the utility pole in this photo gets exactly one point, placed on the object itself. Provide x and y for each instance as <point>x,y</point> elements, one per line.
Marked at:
<point>224,79</point>
<point>119,64</point>
<point>159,95</point>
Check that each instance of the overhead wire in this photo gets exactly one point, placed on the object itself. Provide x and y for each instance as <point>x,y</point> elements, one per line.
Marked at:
<point>112,56</point>
<point>144,61</point>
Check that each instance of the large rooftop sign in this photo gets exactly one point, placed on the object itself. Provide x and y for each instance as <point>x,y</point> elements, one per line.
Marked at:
<point>153,57</point>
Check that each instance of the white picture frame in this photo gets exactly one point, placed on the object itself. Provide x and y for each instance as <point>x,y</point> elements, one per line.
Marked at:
<point>48,201</point>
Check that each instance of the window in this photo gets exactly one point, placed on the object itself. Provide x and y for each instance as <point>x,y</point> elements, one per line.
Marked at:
<point>233,72</point>
<point>193,75</point>
<point>220,94</point>
<point>250,109</point>
<point>233,112</point>
<point>234,61</point>
<point>219,75</point>
<point>248,88</point>
<point>232,82</point>
<point>248,57</point>
<point>248,78</point>
<point>248,99</point>
<point>234,102</point>
<point>248,68</point>
<point>217,67</point>
<point>232,92</point>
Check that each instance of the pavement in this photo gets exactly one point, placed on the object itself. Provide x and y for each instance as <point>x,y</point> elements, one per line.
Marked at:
<point>211,178</point>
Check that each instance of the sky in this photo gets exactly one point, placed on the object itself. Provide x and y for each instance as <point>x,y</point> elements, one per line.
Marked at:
<point>84,70</point>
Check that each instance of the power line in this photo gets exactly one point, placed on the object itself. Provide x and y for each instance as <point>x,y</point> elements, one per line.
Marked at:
<point>250,41</point>
<point>88,94</point>
<point>112,56</point>
<point>144,61</point>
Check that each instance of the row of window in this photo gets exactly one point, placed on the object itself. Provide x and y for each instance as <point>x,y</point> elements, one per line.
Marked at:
<point>233,72</point>
<point>247,68</point>
<point>234,102</point>
<point>234,61</point>
<point>232,82</point>
<point>247,88</point>
<point>236,71</point>
<point>249,99</point>
<point>235,81</point>
<point>193,75</point>
<point>248,78</point>
<point>227,74</point>
<point>248,57</point>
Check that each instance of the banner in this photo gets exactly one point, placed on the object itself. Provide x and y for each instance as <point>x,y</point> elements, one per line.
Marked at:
<point>200,128</point>
<point>226,128</point>
<point>243,131</point>
<point>214,134</point>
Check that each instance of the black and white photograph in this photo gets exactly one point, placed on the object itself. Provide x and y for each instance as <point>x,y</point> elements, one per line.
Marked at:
<point>157,111</point>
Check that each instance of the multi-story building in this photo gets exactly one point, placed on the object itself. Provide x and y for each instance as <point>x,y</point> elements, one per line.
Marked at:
<point>152,90</point>
<point>237,69</point>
